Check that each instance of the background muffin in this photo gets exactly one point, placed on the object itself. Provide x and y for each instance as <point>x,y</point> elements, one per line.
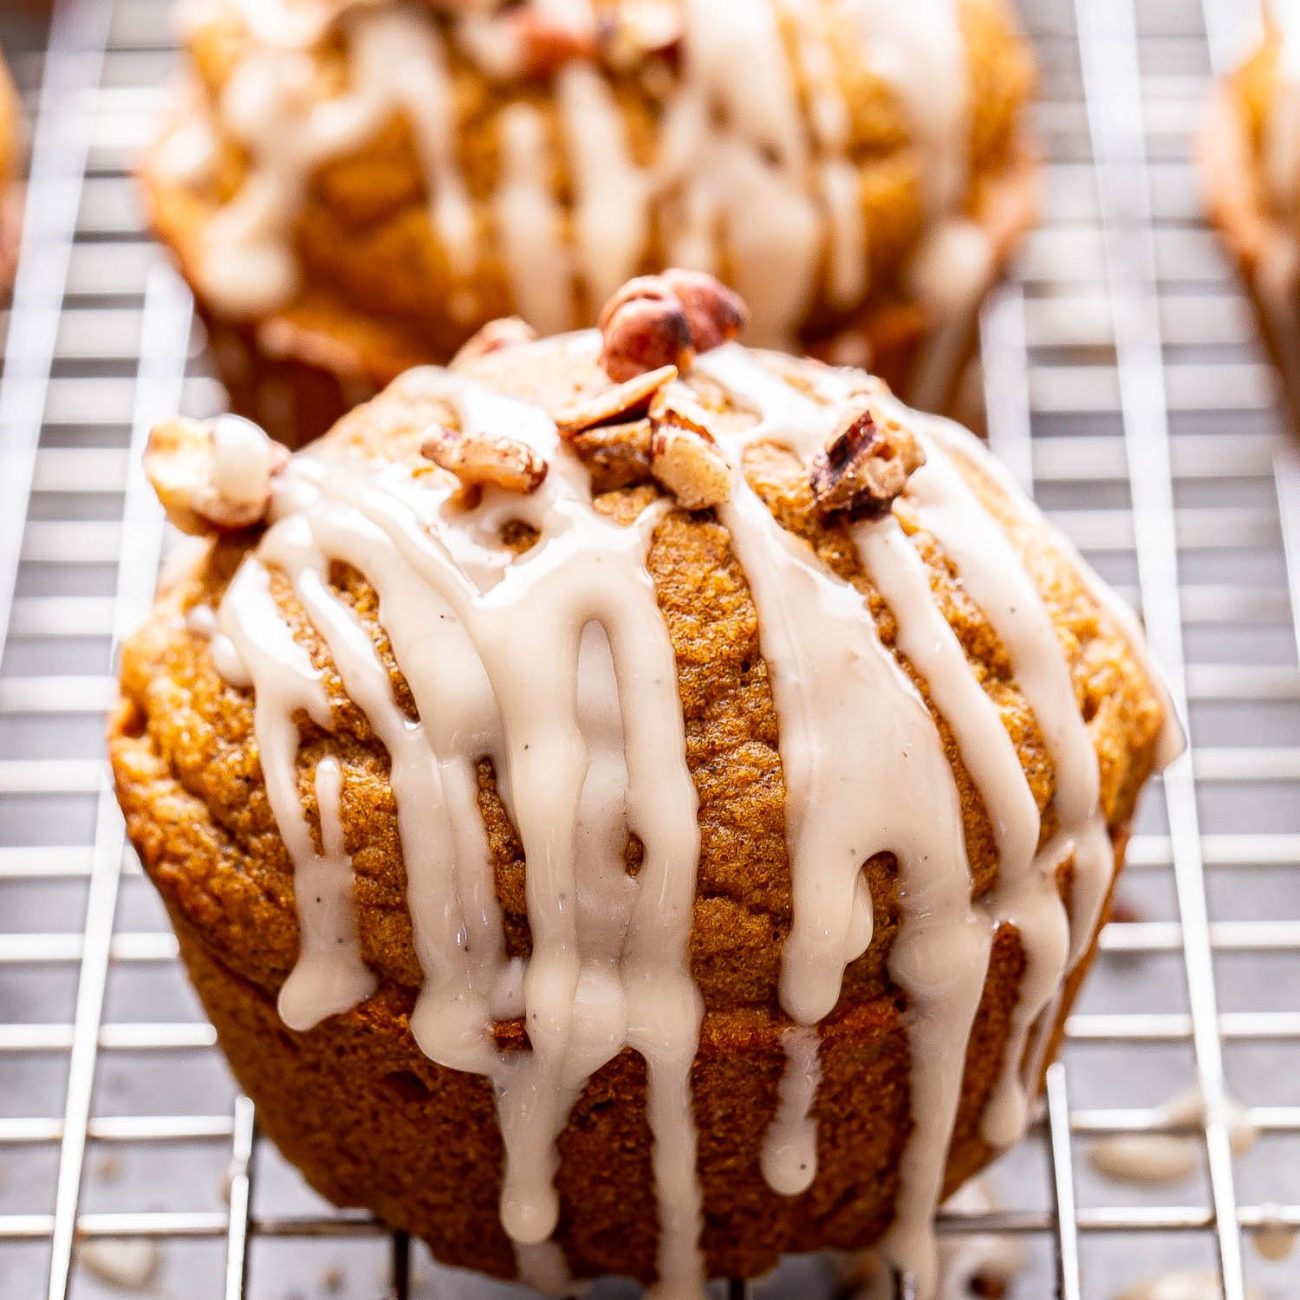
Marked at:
<point>355,188</point>
<point>840,794</point>
<point>1251,167</point>
<point>11,155</point>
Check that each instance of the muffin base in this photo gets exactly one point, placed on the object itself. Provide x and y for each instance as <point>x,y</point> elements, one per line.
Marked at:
<point>297,373</point>
<point>1266,251</point>
<point>370,1121</point>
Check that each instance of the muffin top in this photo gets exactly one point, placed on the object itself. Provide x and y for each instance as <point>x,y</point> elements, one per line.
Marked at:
<point>427,168</point>
<point>598,684</point>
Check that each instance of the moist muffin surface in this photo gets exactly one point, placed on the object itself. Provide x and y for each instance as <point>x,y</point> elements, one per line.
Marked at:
<point>355,188</point>
<point>672,814</point>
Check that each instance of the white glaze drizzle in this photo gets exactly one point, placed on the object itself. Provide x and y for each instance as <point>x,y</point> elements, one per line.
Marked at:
<point>269,105</point>
<point>854,791</point>
<point>588,740</point>
<point>789,1154</point>
<point>745,177</point>
<point>330,975</point>
<point>583,725</point>
<point>529,223</point>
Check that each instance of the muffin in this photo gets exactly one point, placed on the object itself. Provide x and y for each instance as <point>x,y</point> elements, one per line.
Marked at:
<point>631,804</point>
<point>11,158</point>
<point>1251,171</point>
<point>355,188</point>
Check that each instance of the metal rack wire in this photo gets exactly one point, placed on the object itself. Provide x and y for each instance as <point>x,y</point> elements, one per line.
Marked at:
<point>1123,346</point>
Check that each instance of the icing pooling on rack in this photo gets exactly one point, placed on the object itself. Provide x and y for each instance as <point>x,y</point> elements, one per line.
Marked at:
<point>583,725</point>
<point>745,175</point>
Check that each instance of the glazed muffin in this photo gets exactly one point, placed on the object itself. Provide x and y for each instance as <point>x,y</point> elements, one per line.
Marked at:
<point>630,803</point>
<point>355,188</point>
<point>1251,169</point>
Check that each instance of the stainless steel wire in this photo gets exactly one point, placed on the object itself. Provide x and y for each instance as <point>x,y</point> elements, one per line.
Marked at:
<point>1121,381</point>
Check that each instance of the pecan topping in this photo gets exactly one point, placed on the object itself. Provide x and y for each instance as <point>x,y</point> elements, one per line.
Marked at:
<point>485,459</point>
<point>546,44</point>
<point>714,314</point>
<point>494,336</point>
<point>613,405</point>
<point>213,477</point>
<point>663,320</point>
<point>865,466</point>
<point>684,455</point>
<point>617,455</point>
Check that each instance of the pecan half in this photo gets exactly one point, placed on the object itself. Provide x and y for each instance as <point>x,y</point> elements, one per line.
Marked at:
<point>865,466</point>
<point>485,459</point>
<point>213,477</point>
<point>714,313</point>
<point>507,332</point>
<point>662,320</point>
<point>614,405</point>
<point>546,44</point>
<point>643,327</point>
<point>684,455</point>
<point>616,455</point>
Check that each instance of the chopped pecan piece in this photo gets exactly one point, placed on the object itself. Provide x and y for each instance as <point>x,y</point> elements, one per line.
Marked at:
<point>865,466</point>
<point>213,477</point>
<point>614,405</point>
<point>485,459</point>
<point>507,332</point>
<point>662,320</point>
<point>684,455</point>
<point>617,455</point>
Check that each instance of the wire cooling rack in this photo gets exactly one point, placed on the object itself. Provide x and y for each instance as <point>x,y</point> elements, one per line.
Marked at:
<point>1123,345</point>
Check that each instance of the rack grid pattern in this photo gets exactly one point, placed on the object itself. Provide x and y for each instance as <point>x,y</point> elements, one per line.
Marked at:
<point>1122,344</point>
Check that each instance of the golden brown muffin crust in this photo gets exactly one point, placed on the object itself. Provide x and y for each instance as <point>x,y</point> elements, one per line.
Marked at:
<point>354,1102</point>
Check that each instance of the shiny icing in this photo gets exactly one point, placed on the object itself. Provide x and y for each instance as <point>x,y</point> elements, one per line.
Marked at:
<point>583,725</point>
<point>748,176</point>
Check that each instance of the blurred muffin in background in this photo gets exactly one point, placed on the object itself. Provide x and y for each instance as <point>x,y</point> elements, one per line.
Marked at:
<point>11,154</point>
<point>1251,174</point>
<point>355,188</point>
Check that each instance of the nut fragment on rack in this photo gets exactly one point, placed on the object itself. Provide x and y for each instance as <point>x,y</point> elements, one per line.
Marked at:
<point>485,460</point>
<point>663,320</point>
<point>213,476</point>
<point>684,455</point>
<point>615,404</point>
<point>865,466</point>
<point>507,332</point>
